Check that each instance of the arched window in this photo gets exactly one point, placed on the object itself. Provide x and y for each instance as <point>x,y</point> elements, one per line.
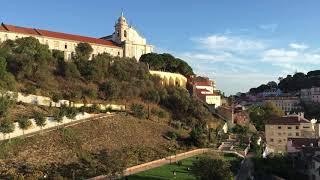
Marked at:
<point>125,33</point>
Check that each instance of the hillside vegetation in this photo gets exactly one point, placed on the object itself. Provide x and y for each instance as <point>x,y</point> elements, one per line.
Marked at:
<point>99,147</point>
<point>126,139</point>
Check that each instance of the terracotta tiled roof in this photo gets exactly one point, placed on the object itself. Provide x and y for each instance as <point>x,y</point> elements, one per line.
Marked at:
<point>287,120</point>
<point>58,35</point>
<point>203,83</point>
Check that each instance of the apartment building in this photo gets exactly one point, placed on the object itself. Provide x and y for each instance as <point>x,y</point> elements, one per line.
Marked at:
<point>279,129</point>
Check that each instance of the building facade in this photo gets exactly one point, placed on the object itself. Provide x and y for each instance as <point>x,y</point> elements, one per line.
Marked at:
<point>205,90</point>
<point>170,79</point>
<point>310,95</point>
<point>125,41</point>
<point>133,44</point>
<point>286,103</point>
<point>279,129</point>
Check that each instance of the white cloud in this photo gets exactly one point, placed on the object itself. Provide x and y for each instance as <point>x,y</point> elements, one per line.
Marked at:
<point>279,55</point>
<point>298,46</point>
<point>216,57</point>
<point>229,43</point>
<point>269,27</point>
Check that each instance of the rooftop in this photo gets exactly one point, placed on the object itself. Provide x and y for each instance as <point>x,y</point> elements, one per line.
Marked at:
<point>304,142</point>
<point>287,120</point>
<point>52,34</point>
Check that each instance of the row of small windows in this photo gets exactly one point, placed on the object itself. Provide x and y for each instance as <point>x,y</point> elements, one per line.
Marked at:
<point>289,127</point>
<point>56,44</point>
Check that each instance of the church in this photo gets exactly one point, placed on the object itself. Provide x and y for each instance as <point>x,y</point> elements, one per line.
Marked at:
<point>124,42</point>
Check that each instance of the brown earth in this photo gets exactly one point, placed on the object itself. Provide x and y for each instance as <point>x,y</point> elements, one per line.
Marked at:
<point>114,133</point>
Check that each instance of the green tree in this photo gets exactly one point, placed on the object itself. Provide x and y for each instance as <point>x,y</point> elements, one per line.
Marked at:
<point>137,110</point>
<point>6,127</point>
<point>210,167</point>
<point>58,116</point>
<point>71,112</point>
<point>110,89</point>
<point>7,81</point>
<point>166,62</point>
<point>40,120</point>
<point>24,123</point>
<point>260,114</point>
<point>5,104</point>
<point>198,136</point>
<point>151,96</point>
<point>83,51</point>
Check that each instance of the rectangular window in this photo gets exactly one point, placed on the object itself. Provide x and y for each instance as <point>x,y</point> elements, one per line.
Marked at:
<point>66,46</point>
<point>297,127</point>
<point>297,134</point>
<point>271,140</point>
<point>279,127</point>
<point>289,127</point>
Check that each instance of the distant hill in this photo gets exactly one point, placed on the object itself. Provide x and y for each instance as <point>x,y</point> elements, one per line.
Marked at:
<point>291,83</point>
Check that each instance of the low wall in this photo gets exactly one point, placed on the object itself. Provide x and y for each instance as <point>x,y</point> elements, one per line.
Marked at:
<point>50,123</point>
<point>47,101</point>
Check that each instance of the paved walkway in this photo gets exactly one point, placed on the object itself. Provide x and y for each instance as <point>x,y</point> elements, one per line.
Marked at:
<point>246,167</point>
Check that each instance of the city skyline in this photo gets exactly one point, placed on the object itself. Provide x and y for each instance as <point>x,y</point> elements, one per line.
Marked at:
<point>238,44</point>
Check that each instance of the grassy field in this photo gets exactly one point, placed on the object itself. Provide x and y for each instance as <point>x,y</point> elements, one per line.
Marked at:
<point>166,172</point>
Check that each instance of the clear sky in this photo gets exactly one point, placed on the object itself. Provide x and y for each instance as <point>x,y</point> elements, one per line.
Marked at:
<point>239,44</point>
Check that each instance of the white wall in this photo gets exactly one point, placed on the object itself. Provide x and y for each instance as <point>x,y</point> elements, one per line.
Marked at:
<point>50,123</point>
<point>46,101</point>
<point>59,44</point>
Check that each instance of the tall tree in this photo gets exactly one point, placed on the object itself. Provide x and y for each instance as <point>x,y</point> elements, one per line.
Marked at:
<point>83,51</point>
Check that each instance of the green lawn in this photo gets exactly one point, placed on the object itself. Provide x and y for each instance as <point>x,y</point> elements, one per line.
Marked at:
<point>166,172</point>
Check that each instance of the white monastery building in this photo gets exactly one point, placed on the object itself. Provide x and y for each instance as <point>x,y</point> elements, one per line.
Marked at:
<point>124,42</point>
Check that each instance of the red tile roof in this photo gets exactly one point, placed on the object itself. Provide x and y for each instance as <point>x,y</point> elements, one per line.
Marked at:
<point>287,120</point>
<point>203,83</point>
<point>58,35</point>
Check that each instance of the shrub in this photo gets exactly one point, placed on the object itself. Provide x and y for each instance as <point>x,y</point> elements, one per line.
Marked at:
<point>172,135</point>
<point>162,114</point>
<point>138,110</point>
<point>29,89</point>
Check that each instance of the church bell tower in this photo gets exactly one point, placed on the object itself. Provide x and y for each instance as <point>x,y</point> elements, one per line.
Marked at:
<point>121,33</point>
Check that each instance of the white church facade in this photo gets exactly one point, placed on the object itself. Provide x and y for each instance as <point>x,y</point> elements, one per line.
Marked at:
<point>124,42</point>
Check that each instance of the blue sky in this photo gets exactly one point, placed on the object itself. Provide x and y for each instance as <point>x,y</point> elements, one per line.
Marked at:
<point>239,44</point>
